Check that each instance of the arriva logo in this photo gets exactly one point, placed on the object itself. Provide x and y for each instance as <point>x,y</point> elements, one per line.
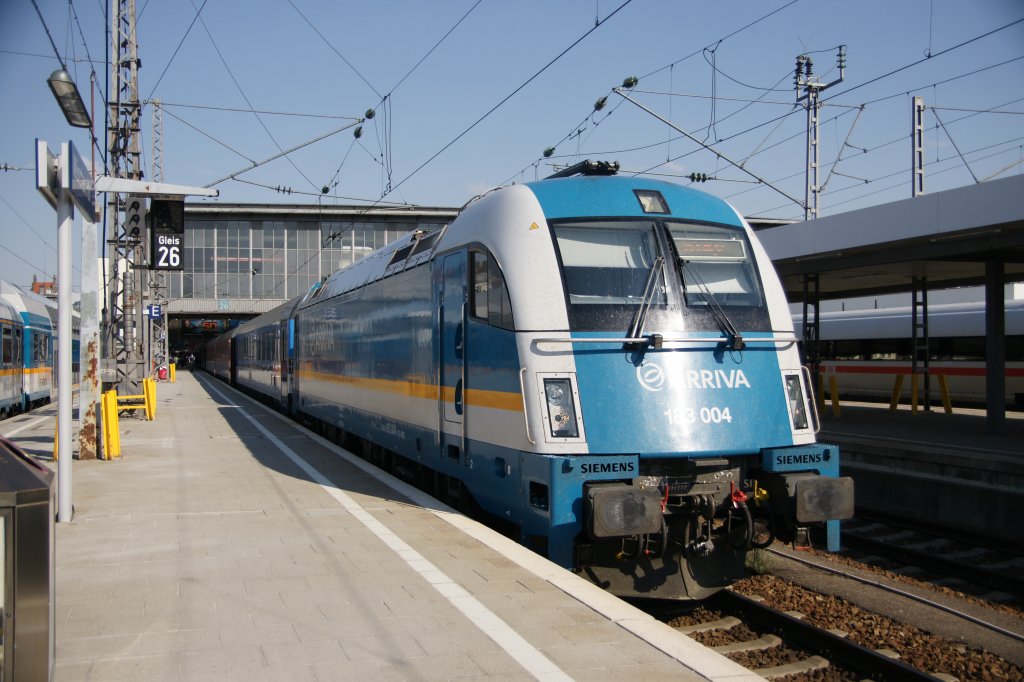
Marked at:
<point>651,376</point>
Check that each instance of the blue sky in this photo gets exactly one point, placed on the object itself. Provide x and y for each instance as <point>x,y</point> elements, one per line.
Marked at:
<point>722,71</point>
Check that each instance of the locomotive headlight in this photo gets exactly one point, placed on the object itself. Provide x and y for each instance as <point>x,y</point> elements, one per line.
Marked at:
<point>797,405</point>
<point>561,410</point>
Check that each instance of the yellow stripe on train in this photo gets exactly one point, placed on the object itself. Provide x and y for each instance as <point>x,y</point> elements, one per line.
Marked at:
<point>498,400</point>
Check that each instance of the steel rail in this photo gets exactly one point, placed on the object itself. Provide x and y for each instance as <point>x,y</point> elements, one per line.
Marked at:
<point>909,595</point>
<point>935,563</point>
<point>837,648</point>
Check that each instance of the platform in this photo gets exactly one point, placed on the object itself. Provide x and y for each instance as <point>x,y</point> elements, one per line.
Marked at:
<point>932,468</point>
<point>963,431</point>
<point>230,544</point>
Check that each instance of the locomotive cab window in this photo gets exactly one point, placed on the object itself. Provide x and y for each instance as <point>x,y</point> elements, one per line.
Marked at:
<point>606,267</point>
<point>716,266</point>
<point>488,292</point>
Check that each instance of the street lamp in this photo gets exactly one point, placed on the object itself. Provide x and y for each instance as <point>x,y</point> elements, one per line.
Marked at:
<point>66,92</point>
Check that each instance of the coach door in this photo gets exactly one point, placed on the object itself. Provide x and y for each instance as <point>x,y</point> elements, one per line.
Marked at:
<point>453,354</point>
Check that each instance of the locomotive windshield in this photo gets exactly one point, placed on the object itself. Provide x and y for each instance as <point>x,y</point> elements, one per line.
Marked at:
<point>715,262</point>
<point>607,263</point>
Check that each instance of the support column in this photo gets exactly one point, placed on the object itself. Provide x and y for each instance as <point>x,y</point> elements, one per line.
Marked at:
<point>65,451</point>
<point>920,351</point>
<point>89,343</point>
<point>811,332</point>
<point>995,347</point>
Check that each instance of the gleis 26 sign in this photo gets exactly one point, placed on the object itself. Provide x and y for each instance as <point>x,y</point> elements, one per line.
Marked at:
<point>167,232</point>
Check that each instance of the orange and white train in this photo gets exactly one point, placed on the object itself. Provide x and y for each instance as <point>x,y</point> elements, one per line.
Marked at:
<point>865,350</point>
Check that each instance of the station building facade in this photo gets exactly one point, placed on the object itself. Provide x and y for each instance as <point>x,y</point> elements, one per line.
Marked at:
<point>241,260</point>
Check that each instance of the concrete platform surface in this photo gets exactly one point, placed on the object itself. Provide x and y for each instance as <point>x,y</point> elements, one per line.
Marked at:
<point>229,544</point>
<point>964,432</point>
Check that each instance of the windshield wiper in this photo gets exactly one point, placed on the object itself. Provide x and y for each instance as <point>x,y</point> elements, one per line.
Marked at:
<point>650,287</point>
<point>724,323</point>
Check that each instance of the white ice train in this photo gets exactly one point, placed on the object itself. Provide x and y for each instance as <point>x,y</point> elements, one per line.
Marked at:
<point>867,349</point>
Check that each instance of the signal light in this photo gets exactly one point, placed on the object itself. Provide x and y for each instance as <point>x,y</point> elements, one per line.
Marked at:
<point>135,216</point>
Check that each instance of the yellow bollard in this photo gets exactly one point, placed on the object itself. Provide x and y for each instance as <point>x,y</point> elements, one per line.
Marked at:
<point>172,367</point>
<point>56,435</point>
<point>896,388</point>
<point>947,404</point>
<point>913,394</point>
<point>833,389</point>
<point>111,432</point>
<point>149,391</point>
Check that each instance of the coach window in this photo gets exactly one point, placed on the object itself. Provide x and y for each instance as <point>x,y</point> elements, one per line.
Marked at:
<point>40,352</point>
<point>8,347</point>
<point>489,293</point>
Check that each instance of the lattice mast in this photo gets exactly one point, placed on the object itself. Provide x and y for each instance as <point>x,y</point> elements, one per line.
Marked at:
<point>126,231</point>
<point>158,278</point>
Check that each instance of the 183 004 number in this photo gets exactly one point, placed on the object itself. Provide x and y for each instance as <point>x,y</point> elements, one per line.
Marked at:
<point>691,415</point>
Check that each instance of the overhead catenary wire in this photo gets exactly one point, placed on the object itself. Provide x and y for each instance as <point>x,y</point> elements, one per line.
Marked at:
<point>953,142</point>
<point>177,49</point>
<point>31,265</point>
<point>919,61</point>
<point>166,104</point>
<point>28,225</point>
<point>241,91</point>
<point>384,101</point>
<point>669,67</point>
<point>802,133</point>
<point>869,150</point>
<point>511,94</point>
<point>777,119</point>
<point>901,171</point>
<point>970,73</point>
<point>282,152</point>
<point>319,195</point>
<point>212,138</point>
<point>723,38</point>
<point>487,114</point>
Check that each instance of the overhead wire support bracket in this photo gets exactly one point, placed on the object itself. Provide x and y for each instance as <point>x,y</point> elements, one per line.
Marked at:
<point>953,142</point>
<point>297,147</point>
<point>620,93</point>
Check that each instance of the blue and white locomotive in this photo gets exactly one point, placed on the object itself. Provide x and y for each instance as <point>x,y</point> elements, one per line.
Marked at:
<point>605,364</point>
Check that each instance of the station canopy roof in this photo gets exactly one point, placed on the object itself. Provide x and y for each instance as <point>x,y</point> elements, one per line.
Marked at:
<point>945,237</point>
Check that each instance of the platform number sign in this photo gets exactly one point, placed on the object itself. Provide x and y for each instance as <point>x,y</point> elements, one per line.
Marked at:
<point>167,223</point>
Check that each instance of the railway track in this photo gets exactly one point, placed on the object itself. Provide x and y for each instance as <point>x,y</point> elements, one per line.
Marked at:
<point>995,573</point>
<point>822,630</point>
<point>778,645</point>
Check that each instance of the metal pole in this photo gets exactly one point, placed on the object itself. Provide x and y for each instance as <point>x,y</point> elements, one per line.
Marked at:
<point>65,218</point>
<point>917,144</point>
